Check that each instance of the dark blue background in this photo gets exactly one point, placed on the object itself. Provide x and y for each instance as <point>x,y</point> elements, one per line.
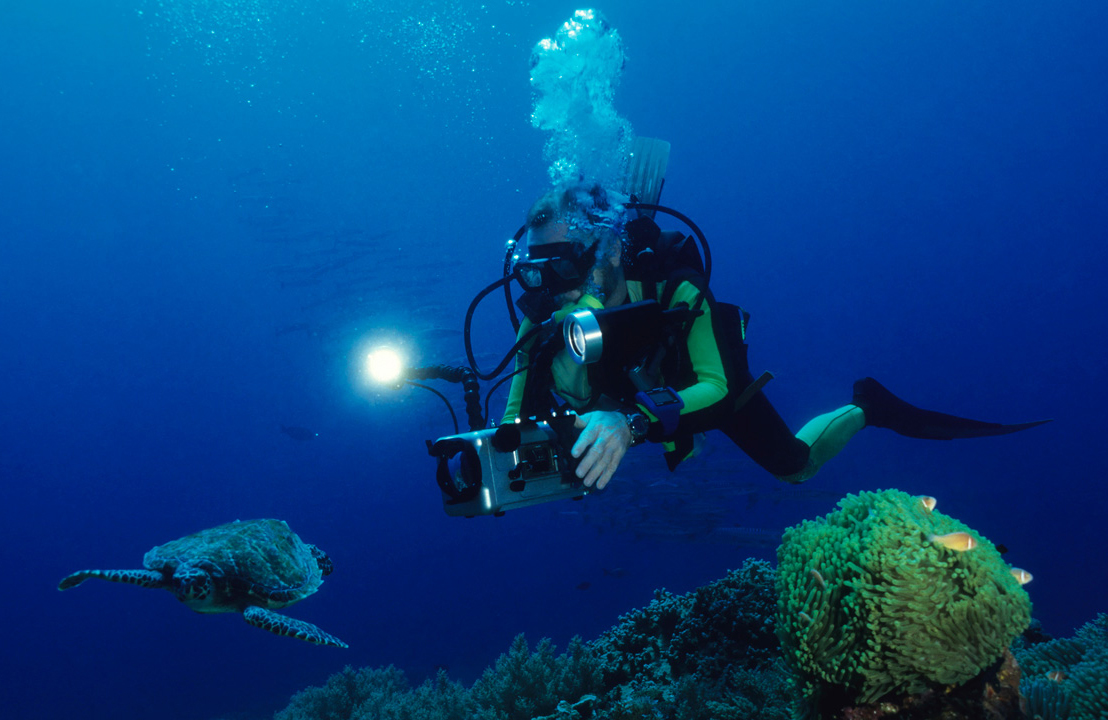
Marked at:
<point>914,192</point>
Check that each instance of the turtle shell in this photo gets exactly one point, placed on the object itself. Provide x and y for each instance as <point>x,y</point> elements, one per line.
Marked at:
<point>255,560</point>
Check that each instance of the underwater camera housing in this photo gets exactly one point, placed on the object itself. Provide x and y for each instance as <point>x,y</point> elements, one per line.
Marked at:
<point>488,472</point>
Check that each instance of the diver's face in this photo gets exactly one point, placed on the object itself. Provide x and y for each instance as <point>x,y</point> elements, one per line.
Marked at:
<point>552,233</point>
<point>603,275</point>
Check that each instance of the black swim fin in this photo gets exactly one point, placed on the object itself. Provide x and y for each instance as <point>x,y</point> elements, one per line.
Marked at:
<point>883,409</point>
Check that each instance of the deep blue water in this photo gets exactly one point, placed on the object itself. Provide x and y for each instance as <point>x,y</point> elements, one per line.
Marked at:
<point>208,211</point>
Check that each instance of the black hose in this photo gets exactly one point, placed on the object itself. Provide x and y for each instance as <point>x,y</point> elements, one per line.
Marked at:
<point>692,226</point>
<point>449,407</point>
<point>509,356</point>
<point>498,383</point>
<point>508,255</point>
<point>467,378</point>
<point>467,334</point>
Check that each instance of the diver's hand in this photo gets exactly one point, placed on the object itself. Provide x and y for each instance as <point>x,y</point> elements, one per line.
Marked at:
<point>603,442</point>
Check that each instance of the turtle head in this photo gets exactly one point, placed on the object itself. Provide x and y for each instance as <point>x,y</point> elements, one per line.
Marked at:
<point>192,586</point>
<point>325,565</point>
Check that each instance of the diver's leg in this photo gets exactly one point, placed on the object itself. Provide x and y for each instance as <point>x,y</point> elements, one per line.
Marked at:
<point>826,435</point>
<point>763,435</point>
<point>758,429</point>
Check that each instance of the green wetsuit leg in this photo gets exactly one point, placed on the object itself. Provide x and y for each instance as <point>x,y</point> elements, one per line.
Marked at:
<point>826,435</point>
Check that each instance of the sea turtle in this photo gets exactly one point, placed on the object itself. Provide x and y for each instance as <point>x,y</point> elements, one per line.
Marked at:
<point>246,566</point>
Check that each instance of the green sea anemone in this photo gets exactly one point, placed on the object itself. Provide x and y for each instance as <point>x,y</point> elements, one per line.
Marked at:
<point>1067,678</point>
<point>887,595</point>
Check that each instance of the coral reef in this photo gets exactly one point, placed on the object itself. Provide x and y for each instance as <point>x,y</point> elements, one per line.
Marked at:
<point>888,596</point>
<point>378,694</point>
<point>727,623</point>
<point>711,653</point>
<point>708,654</point>
<point>522,685</point>
<point>877,617</point>
<point>1067,679</point>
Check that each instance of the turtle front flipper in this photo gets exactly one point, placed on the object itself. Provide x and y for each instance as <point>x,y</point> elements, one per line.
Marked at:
<point>142,578</point>
<point>290,627</point>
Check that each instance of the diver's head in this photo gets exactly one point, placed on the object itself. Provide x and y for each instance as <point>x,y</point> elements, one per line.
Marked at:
<point>573,242</point>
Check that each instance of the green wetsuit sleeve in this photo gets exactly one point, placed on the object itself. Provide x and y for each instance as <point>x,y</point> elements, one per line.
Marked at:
<point>563,383</point>
<point>519,382</point>
<point>711,382</point>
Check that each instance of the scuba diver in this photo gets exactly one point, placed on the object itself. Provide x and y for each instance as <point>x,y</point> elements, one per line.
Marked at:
<point>680,372</point>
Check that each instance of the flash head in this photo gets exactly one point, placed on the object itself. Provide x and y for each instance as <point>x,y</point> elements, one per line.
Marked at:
<point>584,339</point>
<point>385,366</point>
<point>625,330</point>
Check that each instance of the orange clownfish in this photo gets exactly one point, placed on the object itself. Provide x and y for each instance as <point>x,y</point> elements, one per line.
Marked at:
<point>959,541</point>
<point>1056,675</point>
<point>1022,576</point>
<point>928,502</point>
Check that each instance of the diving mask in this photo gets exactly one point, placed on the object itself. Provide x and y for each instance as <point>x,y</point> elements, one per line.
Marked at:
<point>556,267</point>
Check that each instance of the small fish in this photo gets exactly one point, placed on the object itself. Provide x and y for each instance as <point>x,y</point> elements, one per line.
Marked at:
<point>928,502</point>
<point>584,585</point>
<point>1002,549</point>
<point>1056,675</point>
<point>818,578</point>
<point>1022,576</point>
<point>299,434</point>
<point>957,541</point>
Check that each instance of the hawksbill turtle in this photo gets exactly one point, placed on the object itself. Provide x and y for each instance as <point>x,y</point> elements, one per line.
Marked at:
<point>246,566</point>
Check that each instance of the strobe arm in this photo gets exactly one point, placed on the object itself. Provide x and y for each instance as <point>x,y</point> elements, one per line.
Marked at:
<point>470,387</point>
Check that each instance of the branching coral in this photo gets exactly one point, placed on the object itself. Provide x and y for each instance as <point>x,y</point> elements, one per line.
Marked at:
<point>707,654</point>
<point>378,694</point>
<point>522,685</point>
<point>725,624</point>
<point>345,693</point>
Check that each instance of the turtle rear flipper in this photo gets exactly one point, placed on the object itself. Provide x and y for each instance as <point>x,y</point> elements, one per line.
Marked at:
<point>290,627</point>
<point>142,578</point>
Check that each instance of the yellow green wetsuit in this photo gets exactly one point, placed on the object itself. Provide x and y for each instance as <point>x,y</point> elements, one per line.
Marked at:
<point>571,381</point>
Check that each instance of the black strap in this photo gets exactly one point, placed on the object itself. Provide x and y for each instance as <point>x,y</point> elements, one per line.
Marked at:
<point>539,383</point>
<point>751,390</point>
<point>674,281</point>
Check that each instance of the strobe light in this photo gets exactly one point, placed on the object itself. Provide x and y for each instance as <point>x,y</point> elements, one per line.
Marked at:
<point>385,367</point>
<point>621,333</point>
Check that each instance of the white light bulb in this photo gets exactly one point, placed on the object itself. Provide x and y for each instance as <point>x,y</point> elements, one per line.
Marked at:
<point>385,365</point>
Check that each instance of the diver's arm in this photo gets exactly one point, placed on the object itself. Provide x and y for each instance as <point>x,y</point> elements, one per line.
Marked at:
<point>519,381</point>
<point>709,386</point>
<point>515,396</point>
<point>711,381</point>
